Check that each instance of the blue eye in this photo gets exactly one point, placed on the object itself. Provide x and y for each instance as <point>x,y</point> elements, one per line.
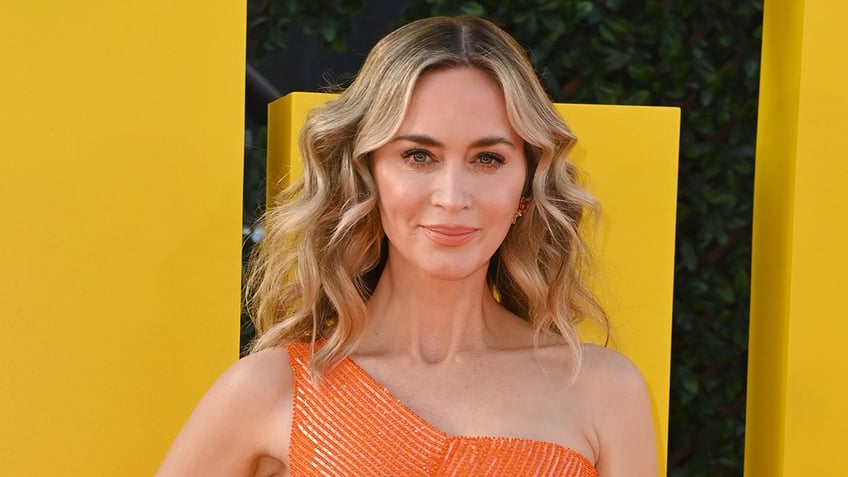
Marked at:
<point>416,156</point>
<point>490,159</point>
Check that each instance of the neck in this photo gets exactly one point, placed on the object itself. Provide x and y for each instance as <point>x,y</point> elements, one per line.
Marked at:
<point>430,319</point>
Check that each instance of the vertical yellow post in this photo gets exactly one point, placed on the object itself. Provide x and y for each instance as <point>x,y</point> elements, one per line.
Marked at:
<point>120,204</point>
<point>798,374</point>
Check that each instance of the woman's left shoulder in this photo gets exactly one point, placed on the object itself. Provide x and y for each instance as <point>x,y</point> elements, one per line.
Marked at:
<point>607,367</point>
<point>621,410</point>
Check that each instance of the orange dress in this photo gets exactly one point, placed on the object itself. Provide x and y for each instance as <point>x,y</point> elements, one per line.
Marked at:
<point>351,426</point>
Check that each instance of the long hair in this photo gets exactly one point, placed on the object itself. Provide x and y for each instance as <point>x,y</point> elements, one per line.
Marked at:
<point>324,250</point>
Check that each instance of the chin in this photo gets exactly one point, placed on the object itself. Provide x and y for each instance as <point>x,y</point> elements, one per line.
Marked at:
<point>455,272</point>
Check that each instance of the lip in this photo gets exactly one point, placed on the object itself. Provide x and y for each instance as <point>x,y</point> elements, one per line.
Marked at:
<point>449,235</point>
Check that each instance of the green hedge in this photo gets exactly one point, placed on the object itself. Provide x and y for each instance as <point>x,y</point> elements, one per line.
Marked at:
<point>702,56</point>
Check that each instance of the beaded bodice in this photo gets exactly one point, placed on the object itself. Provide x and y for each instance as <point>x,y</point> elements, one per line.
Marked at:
<point>349,425</point>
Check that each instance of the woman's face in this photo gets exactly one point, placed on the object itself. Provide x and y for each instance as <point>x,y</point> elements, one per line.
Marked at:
<point>450,180</point>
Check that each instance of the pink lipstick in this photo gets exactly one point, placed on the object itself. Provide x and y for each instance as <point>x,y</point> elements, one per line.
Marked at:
<point>449,235</point>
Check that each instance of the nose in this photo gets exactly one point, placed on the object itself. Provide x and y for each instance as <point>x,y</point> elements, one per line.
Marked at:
<point>452,188</point>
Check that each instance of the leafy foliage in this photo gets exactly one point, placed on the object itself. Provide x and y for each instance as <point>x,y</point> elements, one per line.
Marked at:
<point>704,58</point>
<point>270,21</point>
<point>253,203</point>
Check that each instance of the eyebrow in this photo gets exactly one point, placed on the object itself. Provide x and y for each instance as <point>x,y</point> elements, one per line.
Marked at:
<point>426,140</point>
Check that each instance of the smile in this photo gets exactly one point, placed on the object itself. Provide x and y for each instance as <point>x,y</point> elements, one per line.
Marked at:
<point>449,235</point>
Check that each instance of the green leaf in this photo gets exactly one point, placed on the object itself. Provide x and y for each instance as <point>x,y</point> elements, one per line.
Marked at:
<point>329,31</point>
<point>639,97</point>
<point>473,8</point>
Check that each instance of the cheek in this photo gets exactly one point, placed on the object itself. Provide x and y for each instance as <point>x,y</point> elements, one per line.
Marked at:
<point>503,216</point>
<point>384,182</point>
<point>391,189</point>
<point>397,201</point>
<point>508,196</point>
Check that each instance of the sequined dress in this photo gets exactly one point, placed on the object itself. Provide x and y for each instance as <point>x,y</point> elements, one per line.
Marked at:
<point>352,426</point>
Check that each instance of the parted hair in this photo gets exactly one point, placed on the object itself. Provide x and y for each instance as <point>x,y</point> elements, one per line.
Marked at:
<point>324,246</point>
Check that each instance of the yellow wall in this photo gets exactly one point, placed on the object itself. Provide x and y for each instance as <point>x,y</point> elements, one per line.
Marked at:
<point>121,129</point>
<point>798,373</point>
<point>630,157</point>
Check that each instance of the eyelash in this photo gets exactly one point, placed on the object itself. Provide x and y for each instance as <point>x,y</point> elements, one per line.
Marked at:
<point>496,159</point>
<point>407,156</point>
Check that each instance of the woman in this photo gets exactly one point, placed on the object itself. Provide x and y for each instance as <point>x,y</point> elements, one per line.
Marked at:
<point>417,291</point>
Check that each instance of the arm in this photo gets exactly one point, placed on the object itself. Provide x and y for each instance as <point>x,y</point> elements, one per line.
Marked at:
<point>625,424</point>
<point>241,426</point>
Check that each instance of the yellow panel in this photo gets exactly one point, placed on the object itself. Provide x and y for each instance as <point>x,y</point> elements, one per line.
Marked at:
<point>772,238</point>
<point>120,201</point>
<point>798,376</point>
<point>630,157</point>
<point>289,113</point>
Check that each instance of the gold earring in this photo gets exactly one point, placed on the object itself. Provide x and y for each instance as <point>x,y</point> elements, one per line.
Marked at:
<point>522,206</point>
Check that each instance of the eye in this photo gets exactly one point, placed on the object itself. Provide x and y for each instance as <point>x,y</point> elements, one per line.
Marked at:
<point>490,159</point>
<point>416,156</point>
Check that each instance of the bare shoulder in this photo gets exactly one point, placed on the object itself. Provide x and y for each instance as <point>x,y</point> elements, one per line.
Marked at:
<point>266,374</point>
<point>241,423</point>
<point>622,413</point>
<point>253,388</point>
<point>612,381</point>
<point>608,368</point>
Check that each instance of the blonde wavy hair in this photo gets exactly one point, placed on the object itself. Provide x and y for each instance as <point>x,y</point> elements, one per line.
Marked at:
<point>324,249</point>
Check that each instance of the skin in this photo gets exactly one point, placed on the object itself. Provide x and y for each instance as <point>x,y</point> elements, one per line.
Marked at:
<point>449,184</point>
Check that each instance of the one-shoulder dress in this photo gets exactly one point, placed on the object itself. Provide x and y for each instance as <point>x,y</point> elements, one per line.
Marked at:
<point>349,425</point>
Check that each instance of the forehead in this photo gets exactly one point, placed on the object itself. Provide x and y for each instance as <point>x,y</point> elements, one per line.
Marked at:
<point>461,101</point>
